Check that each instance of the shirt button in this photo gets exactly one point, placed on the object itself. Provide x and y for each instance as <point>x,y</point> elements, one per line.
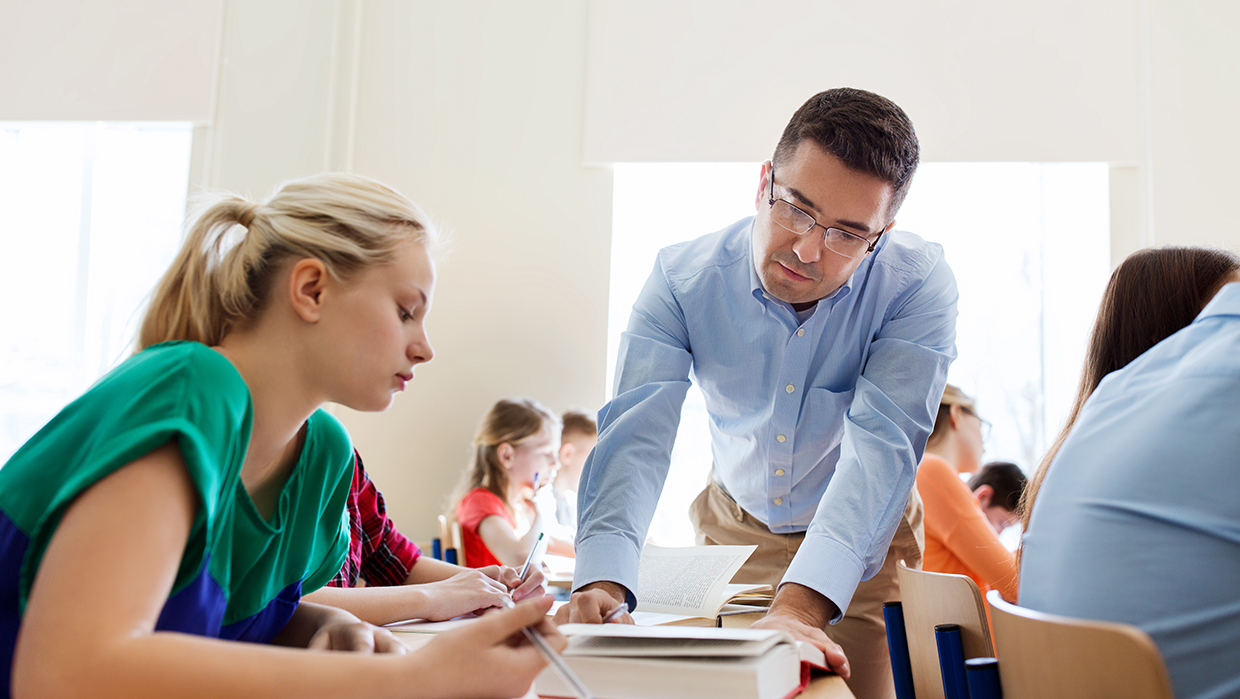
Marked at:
<point>779,501</point>
<point>780,438</point>
<point>790,388</point>
<point>800,332</point>
<point>779,472</point>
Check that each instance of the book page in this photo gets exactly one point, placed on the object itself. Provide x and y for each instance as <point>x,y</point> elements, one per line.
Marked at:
<point>688,580</point>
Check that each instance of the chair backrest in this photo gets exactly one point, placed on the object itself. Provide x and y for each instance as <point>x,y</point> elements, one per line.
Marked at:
<point>930,599</point>
<point>458,540</point>
<point>1046,655</point>
<point>450,537</point>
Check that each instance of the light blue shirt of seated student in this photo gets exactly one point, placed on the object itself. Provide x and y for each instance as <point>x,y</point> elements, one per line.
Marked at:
<point>1138,520</point>
<point>816,426</point>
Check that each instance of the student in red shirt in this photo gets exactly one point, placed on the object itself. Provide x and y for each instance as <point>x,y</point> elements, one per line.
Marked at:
<point>514,451</point>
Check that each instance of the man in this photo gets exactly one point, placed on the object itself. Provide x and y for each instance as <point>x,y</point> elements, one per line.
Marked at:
<point>821,340</point>
<point>1138,519</point>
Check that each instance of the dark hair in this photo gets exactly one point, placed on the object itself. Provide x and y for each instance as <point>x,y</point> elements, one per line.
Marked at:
<point>1007,480</point>
<point>1152,294</point>
<point>578,422</point>
<point>866,131</point>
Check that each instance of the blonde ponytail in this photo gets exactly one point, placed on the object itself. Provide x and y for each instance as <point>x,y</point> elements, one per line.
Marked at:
<point>234,249</point>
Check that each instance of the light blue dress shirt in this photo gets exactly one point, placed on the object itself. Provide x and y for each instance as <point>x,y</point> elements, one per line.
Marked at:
<point>815,426</point>
<point>1138,520</point>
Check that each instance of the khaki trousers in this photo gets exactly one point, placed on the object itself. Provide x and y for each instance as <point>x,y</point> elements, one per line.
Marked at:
<point>861,633</point>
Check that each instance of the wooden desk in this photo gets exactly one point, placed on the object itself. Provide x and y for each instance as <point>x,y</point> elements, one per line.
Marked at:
<point>822,686</point>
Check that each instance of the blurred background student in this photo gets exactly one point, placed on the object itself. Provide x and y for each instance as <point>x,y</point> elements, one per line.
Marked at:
<point>998,488</point>
<point>961,536</point>
<point>577,437</point>
<point>515,450</point>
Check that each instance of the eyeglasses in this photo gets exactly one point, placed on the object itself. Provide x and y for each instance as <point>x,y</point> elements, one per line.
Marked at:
<point>984,421</point>
<point>837,240</point>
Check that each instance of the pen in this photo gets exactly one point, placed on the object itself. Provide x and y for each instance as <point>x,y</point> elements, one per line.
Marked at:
<point>554,659</point>
<point>540,545</point>
<point>615,614</point>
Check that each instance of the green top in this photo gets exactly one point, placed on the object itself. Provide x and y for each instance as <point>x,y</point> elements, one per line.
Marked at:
<point>187,392</point>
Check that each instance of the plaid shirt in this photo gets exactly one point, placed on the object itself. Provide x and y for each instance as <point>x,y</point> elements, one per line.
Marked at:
<point>378,554</point>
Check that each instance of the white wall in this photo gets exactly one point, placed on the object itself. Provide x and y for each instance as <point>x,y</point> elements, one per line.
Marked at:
<point>1194,143</point>
<point>710,80</point>
<point>485,111</point>
<point>146,60</point>
<point>474,110</point>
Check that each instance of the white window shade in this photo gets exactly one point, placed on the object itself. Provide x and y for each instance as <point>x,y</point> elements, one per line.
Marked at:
<point>109,60</point>
<point>1053,81</point>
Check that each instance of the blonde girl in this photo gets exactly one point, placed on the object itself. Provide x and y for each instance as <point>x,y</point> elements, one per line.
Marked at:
<point>515,450</point>
<point>189,497</point>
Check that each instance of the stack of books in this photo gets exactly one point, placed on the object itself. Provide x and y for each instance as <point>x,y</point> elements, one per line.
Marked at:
<point>620,661</point>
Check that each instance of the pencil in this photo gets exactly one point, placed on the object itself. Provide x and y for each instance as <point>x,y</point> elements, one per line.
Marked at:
<point>554,659</point>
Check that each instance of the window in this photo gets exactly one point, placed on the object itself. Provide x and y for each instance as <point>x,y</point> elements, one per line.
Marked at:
<point>91,218</point>
<point>1030,247</point>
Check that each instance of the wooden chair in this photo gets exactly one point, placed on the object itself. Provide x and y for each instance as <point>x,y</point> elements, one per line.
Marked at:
<point>450,537</point>
<point>1046,655</point>
<point>930,599</point>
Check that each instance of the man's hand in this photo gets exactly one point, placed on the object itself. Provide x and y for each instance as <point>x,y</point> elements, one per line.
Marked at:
<point>593,602</point>
<point>803,613</point>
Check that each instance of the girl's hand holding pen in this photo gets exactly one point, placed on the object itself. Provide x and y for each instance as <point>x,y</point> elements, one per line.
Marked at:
<point>493,652</point>
<point>535,584</point>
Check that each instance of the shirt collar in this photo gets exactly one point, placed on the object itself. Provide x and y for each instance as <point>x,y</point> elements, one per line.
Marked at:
<point>1225,303</point>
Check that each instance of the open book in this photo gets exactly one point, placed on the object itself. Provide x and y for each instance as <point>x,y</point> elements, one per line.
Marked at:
<point>673,585</point>
<point>693,581</point>
<point>619,661</point>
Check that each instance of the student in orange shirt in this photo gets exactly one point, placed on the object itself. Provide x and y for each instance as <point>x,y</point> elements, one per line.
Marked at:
<point>960,538</point>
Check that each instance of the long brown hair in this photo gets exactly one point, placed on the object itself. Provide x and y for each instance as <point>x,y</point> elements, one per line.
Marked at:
<point>1152,294</point>
<point>509,421</point>
<point>234,250</point>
